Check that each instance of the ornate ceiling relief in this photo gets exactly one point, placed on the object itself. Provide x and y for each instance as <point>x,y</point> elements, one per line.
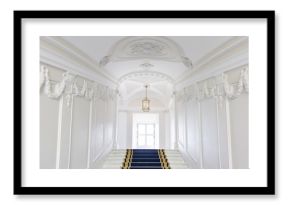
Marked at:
<point>146,66</point>
<point>104,61</point>
<point>146,77</point>
<point>147,47</point>
<point>159,48</point>
<point>187,62</point>
<point>146,60</point>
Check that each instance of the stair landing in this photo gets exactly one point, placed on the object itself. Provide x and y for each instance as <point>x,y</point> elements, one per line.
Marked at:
<point>144,159</point>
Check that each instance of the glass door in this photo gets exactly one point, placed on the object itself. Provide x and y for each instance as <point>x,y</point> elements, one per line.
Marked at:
<point>145,135</point>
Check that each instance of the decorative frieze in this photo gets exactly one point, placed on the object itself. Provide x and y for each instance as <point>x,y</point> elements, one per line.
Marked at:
<point>51,88</point>
<point>217,87</point>
<point>68,87</point>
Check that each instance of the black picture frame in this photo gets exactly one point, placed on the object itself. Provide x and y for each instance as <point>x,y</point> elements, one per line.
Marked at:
<point>268,190</point>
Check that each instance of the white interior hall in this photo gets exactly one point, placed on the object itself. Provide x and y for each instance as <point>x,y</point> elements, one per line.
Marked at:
<point>107,99</point>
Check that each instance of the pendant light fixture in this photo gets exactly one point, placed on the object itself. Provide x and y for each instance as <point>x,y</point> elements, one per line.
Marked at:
<point>146,102</point>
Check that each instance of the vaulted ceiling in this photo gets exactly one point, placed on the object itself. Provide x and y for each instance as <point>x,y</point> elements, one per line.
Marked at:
<point>139,60</point>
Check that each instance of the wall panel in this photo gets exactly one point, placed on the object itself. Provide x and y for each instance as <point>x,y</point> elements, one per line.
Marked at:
<point>122,130</point>
<point>239,115</point>
<point>80,133</point>
<point>209,134</point>
<point>181,123</point>
<point>48,131</point>
<point>223,136</point>
<point>192,125</point>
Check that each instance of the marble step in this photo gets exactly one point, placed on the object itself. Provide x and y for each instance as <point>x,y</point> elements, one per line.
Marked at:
<point>116,158</point>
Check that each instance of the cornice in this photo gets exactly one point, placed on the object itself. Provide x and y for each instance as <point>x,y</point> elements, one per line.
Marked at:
<point>217,53</point>
<point>63,48</point>
<point>53,60</point>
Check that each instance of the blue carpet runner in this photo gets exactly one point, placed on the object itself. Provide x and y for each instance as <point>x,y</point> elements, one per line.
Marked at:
<point>145,159</point>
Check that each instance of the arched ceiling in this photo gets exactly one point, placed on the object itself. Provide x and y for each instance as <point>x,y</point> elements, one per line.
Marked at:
<point>138,60</point>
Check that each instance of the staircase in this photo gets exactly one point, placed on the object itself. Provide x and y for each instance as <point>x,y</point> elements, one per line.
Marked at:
<point>144,159</point>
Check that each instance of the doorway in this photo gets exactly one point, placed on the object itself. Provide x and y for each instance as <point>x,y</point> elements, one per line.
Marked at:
<point>145,131</point>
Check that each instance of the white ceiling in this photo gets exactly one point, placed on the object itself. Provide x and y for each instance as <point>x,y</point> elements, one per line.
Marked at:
<point>194,47</point>
<point>160,61</point>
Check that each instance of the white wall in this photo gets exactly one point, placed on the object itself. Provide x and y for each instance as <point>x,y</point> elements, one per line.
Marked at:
<point>172,125</point>
<point>239,112</point>
<point>77,119</point>
<point>192,125</point>
<point>212,121</point>
<point>164,130</point>
<point>125,136</point>
<point>123,132</point>
<point>80,133</point>
<point>209,130</point>
<point>48,131</point>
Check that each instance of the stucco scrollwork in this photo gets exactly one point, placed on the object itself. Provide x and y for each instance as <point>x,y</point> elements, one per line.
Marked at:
<point>187,62</point>
<point>53,89</point>
<point>219,88</point>
<point>232,91</point>
<point>68,87</point>
<point>146,48</point>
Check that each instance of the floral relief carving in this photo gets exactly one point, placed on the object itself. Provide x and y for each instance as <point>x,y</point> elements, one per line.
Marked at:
<point>68,88</point>
<point>147,48</point>
<point>52,89</point>
<point>232,91</point>
<point>187,62</point>
<point>220,88</point>
<point>104,61</point>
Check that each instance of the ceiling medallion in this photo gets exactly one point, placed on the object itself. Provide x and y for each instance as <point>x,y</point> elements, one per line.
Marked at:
<point>146,66</point>
<point>147,48</point>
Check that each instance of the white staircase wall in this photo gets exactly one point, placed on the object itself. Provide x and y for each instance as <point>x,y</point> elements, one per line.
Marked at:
<point>75,129</point>
<point>212,128</point>
<point>80,133</point>
<point>48,131</point>
<point>239,131</point>
<point>209,129</point>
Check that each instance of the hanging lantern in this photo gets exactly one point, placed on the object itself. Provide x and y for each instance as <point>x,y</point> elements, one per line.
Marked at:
<point>146,102</point>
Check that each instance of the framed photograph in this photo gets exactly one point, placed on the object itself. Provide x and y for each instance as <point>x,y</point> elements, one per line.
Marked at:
<point>144,102</point>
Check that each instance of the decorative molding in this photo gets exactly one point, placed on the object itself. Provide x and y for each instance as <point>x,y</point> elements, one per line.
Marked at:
<point>53,91</point>
<point>187,62</point>
<point>146,66</point>
<point>216,56</point>
<point>229,135</point>
<point>234,90</point>
<point>217,87</point>
<point>73,56</point>
<point>89,136</point>
<point>68,87</point>
<point>146,47</point>
<point>153,76</point>
<point>59,135</point>
<point>104,61</point>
